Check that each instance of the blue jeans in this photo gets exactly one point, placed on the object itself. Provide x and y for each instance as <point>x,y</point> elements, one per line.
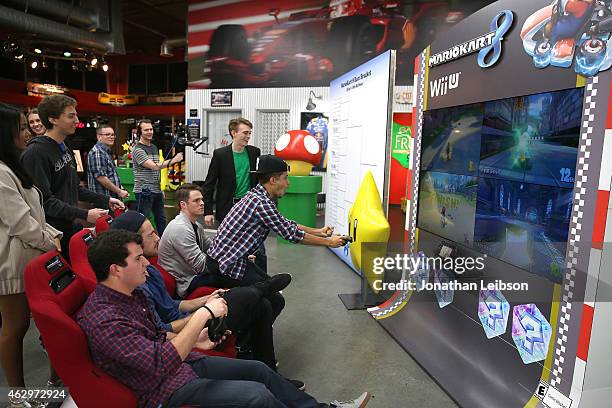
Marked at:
<point>226,382</point>
<point>147,201</point>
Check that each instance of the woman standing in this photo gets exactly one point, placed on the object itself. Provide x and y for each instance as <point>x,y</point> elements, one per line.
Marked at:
<point>24,235</point>
<point>35,126</point>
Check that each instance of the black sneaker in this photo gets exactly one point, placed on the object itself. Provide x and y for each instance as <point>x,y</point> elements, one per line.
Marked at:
<point>298,384</point>
<point>275,284</point>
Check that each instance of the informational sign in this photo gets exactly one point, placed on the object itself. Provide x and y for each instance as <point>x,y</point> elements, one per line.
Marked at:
<point>360,132</point>
<point>193,113</point>
<point>193,126</point>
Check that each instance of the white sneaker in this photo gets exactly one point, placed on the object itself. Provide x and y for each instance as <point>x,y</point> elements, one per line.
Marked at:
<point>358,402</point>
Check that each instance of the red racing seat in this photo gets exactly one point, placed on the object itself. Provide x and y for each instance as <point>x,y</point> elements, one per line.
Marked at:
<point>103,223</point>
<point>55,294</point>
<point>79,243</point>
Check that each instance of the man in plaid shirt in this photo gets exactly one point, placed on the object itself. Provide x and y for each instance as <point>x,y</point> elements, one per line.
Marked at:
<point>249,222</point>
<point>102,174</point>
<point>160,367</point>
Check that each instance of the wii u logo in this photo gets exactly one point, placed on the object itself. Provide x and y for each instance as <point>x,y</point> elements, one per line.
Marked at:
<point>442,85</point>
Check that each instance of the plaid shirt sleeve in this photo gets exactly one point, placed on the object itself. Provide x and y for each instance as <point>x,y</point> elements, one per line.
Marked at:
<point>274,220</point>
<point>120,342</point>
<point>97,164</point>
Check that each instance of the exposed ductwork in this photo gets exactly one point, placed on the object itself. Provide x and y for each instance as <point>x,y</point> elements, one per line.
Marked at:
<point>59,11</point>
<point>112,42</point>
<point>169,44</point>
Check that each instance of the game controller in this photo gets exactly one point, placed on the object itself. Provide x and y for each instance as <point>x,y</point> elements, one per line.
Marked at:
<point>216,328</point>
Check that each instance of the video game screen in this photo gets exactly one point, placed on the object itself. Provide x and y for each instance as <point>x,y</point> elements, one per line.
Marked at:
<point>447,205</point>
<point>532,138</point>
<point>451,139</point>
<point>499,177</point>
<point>524,224</point>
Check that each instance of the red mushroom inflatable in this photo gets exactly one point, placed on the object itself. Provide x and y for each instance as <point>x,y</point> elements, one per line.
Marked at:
<point>300,150</point>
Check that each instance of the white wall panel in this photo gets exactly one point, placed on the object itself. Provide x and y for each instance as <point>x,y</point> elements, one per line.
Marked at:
<point>249,101</point>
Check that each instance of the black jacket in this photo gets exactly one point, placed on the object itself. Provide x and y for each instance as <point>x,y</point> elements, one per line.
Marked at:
<point>222,178</point>
<point>54,173</point>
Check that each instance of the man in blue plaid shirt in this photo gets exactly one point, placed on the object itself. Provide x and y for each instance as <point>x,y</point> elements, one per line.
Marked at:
<point>101,170</point>
<point>249,222</point>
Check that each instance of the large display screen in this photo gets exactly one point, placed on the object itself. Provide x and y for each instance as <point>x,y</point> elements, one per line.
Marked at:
<point>498,177</point>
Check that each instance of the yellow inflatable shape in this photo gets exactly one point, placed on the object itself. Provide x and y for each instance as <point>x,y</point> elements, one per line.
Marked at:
<point>369,229</point>
<point>299,168</point>
<point>164,172</point>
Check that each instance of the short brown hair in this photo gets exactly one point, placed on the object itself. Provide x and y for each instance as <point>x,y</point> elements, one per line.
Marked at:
<point>182,193</point>
<point>53,106</point>
<point>100,128</point>
<point>234,123</point>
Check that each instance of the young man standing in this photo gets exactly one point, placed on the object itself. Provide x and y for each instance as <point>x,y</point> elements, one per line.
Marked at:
<point>102,174</point>
<point>147,175</point>
<point>160,367</point>
<point>229,172</point>
<point>52,166</point>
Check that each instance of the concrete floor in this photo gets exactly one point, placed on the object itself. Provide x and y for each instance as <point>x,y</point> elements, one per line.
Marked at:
<point>337,353</point>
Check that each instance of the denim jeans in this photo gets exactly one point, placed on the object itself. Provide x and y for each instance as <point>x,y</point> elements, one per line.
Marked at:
<point>226,382</point>
<point>148,201</point>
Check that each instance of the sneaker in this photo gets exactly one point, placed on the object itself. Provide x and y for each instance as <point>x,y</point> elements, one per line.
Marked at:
<point>298,384</point>
<point>359,402</point>
<point>275,284</point>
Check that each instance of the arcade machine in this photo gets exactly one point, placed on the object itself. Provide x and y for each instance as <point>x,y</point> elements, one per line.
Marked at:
<point>512,168</point>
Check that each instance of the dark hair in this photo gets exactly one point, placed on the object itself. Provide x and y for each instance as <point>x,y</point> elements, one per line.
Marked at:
<point>10,118</point>
<point>53,106</point>
<point>234,123</point>
<point>140,122</point>
<point>265,177</point>
<point>110,248</point>
<point>182,193</point>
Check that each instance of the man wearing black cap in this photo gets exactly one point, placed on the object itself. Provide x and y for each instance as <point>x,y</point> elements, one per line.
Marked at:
<point>248,223</point>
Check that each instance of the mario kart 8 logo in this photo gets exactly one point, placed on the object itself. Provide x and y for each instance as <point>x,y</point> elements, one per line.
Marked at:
<point>487,45</point>
<point>571,31</point>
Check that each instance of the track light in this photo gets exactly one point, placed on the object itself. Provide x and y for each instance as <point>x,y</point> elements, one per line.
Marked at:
<point>37,50</point>
<point>18,56</point>
<point>44,64</point>
<point>104,66</point>
<point>93,61</point>
<point>67,54</point>
<point>34,64</point>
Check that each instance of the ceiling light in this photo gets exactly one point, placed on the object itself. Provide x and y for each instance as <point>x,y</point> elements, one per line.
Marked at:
<point>38,50</point>
<point>18,56</point>
<point>44,64</point>
<point>67,54</point>
<point>104,66</point>
<point>93,61</point>
<point>34,64</point>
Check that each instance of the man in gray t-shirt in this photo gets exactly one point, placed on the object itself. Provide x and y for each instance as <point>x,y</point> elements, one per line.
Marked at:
<point>147,176</point>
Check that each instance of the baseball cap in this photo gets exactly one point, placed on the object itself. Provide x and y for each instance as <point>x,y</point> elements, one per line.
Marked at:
<point>268,163</point>
<point>129,220</point>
